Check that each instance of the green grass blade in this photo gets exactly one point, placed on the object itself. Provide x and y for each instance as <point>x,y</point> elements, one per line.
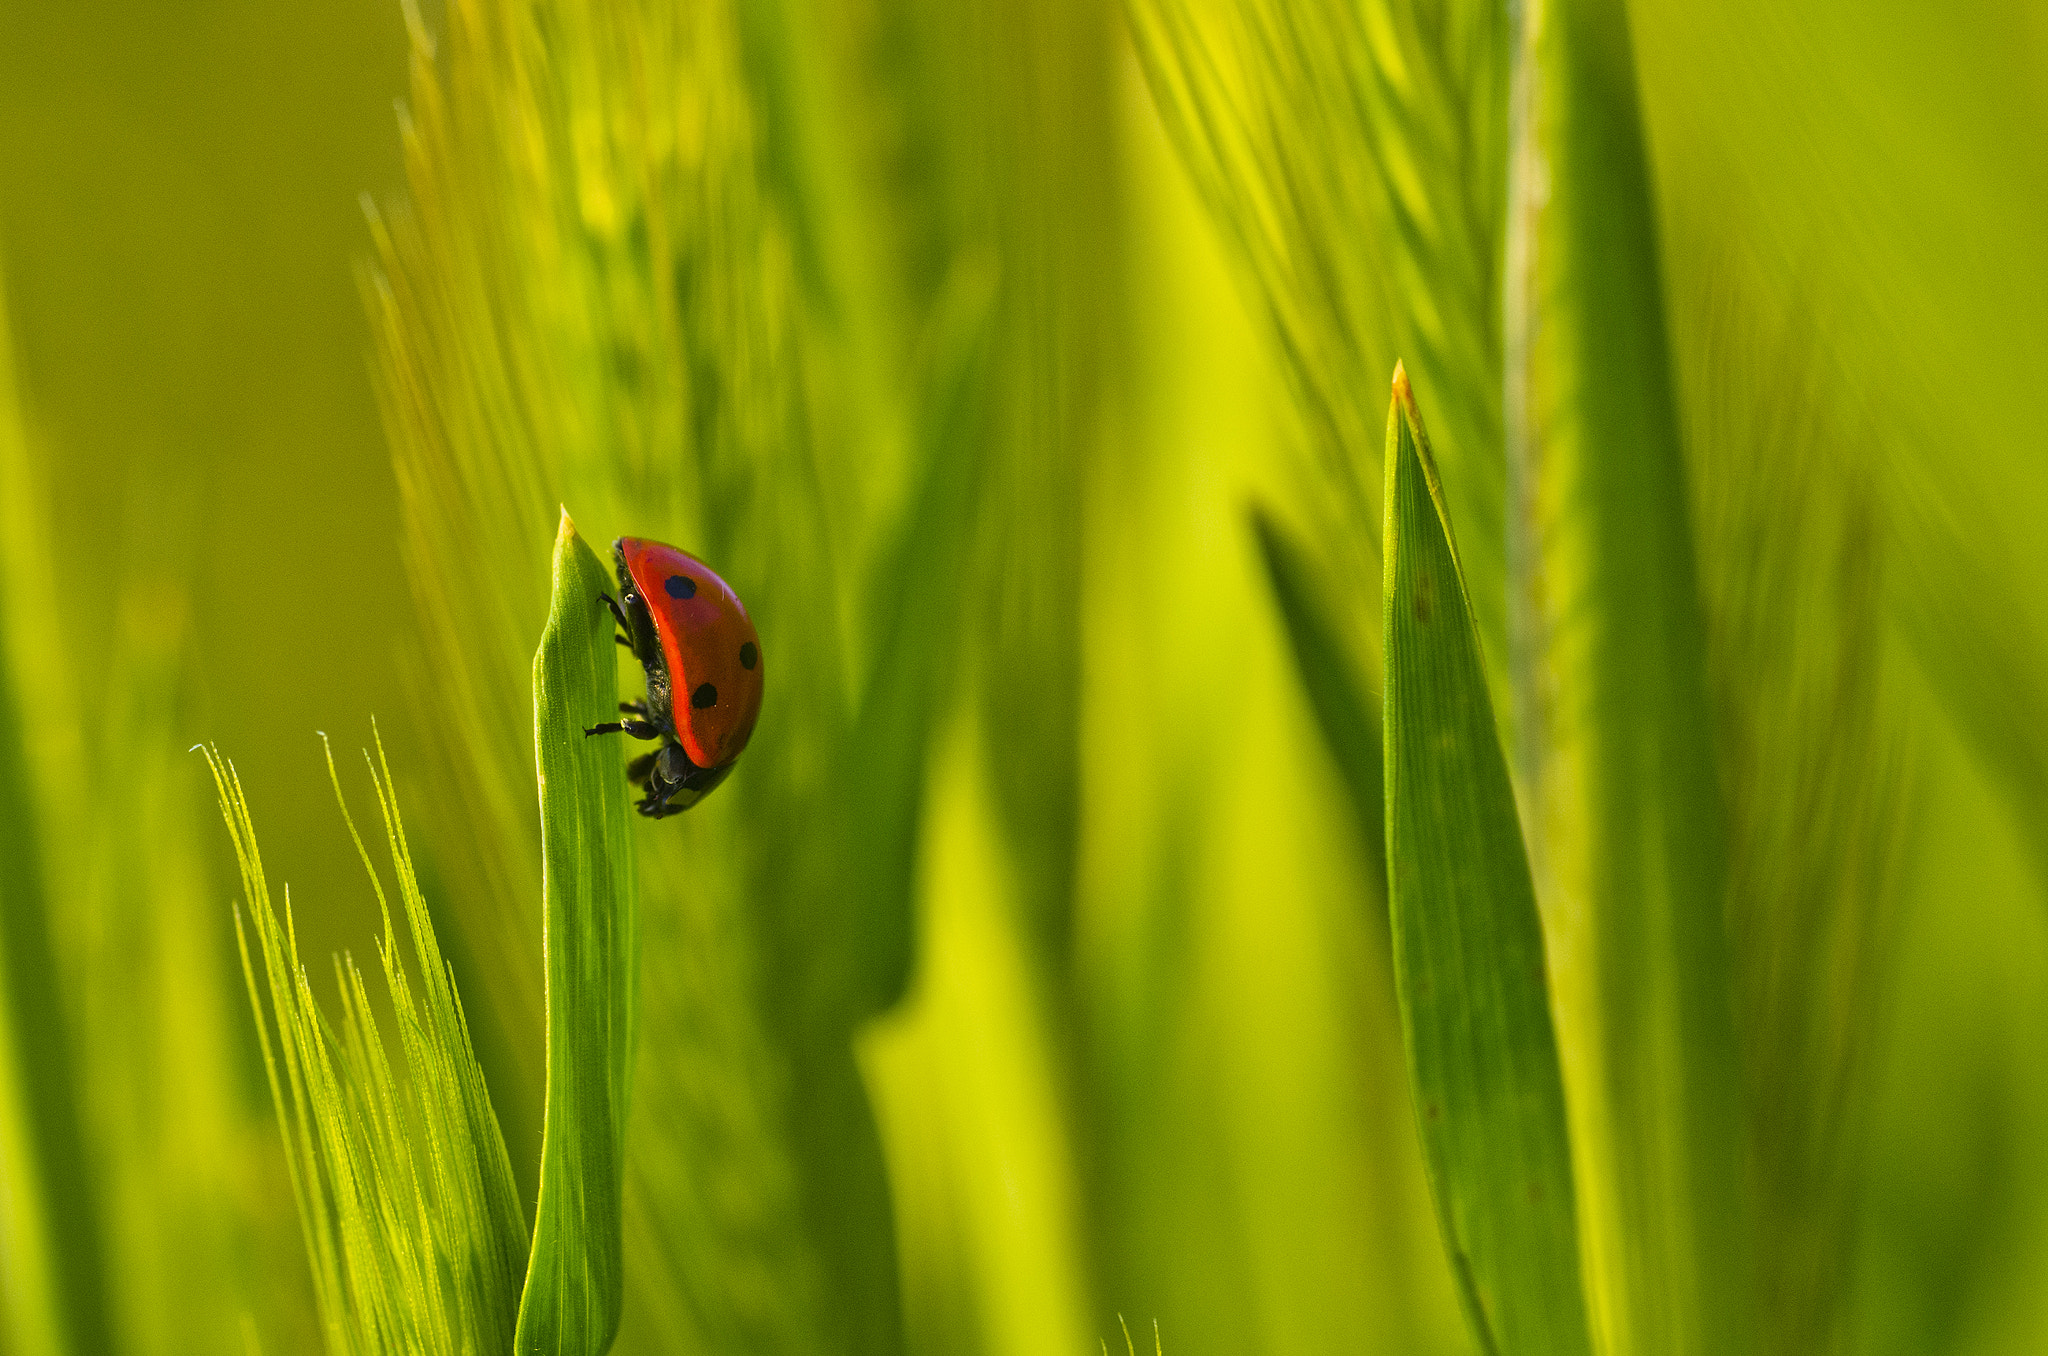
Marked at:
<point>1468,945</point>
<point>1346,710</point>
<point>1614,732</point>
<point>574,1278</point>
<point>51,1284</point>
<point>52,1290</point>
<point>404,1190</point>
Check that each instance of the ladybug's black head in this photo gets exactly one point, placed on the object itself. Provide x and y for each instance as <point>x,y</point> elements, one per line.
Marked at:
<point>673,782</point>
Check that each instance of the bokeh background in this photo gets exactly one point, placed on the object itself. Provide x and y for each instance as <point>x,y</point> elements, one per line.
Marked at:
<point>184,232</point>
<point>184,247</point>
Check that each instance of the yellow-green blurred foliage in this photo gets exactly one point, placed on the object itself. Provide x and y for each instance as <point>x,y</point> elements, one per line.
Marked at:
<point>1032,969</point>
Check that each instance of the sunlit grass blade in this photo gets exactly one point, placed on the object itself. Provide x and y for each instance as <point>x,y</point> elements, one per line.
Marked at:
<point>1346,710</point>
<point>573,1281</point>
<point>404,1190</point>
<point>1468,944</point>
<point>1613,729</point>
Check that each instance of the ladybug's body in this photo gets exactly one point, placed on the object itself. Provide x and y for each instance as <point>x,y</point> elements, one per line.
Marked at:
<point>703,661</point>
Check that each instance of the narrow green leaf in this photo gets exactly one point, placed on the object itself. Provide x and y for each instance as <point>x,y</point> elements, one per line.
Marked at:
<point>573,1279</point>
<point>1613,727</point>
<point>1346,710</point>
<point>1468,945</point>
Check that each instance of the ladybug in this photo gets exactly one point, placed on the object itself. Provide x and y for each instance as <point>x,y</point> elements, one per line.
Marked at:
<point>703,661</point>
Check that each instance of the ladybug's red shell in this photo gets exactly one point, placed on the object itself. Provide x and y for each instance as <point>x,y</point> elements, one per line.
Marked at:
<point>712,650</point>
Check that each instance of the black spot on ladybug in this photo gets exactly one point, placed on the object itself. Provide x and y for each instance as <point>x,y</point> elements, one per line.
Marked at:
<point>681,586</point>
<point>749,656</point>
<point>705,695</point>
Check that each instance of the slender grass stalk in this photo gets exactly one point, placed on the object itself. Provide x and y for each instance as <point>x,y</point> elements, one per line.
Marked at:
<point>1613,729</point>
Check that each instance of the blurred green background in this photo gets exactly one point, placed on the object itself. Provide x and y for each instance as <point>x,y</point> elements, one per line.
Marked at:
<point>183,231</point>
<point>1187,1104</point>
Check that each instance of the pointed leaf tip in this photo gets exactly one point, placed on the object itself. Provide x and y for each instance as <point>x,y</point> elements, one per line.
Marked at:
<point>1404,401</point>
<point>1408,437</point>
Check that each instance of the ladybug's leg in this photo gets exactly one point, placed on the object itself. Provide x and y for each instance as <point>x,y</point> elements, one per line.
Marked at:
<point>624,622</point>
<point>639,729</point>
<point>637,770</point>
<point>634,708</point>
